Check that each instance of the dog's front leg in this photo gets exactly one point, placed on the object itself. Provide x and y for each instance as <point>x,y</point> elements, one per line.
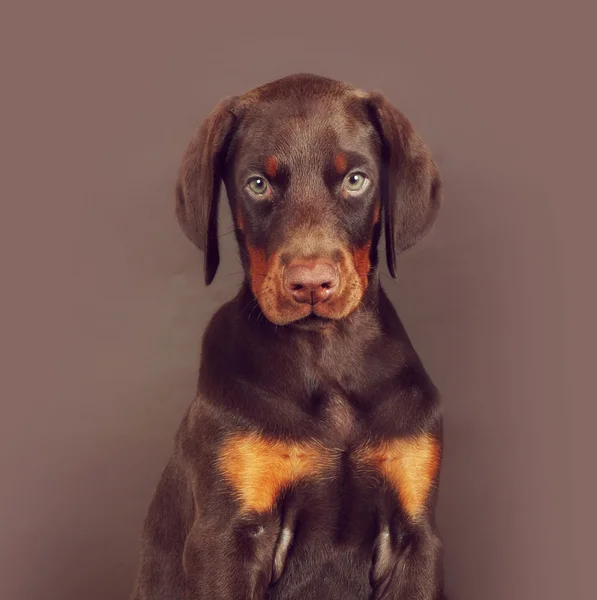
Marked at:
<point>229,550</point>
<point>230,559</point>
<point>409,565</point>
<point>199,541</point>
<point>407,560</point>
<point>160,574</point>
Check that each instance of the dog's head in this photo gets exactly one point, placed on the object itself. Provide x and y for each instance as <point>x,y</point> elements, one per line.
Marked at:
<point>311,167</point>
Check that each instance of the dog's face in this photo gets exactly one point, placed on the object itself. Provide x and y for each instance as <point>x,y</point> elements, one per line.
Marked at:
<point>310,165</point>
<point>303,180</point>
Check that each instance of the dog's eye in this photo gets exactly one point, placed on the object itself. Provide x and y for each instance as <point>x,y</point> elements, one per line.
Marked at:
<point>258,186</point>
<point>355,182</point>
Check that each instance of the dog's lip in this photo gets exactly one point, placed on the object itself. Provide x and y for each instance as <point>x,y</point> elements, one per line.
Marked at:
<point>313,316</point>
<point>303,315</point>
<point>313,319</point>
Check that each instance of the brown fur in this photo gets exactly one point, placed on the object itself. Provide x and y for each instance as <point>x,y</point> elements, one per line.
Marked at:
<point>308,465</point>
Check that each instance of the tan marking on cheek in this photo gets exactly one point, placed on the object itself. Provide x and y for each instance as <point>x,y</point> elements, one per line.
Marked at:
<point>341,164</point>
<point>239,219</point>
<point>410,465</point>
<point>362,264</point>
<point>259,469</point>
<point>257,267</point>
<point>376,213</point>
<point>271,166</point>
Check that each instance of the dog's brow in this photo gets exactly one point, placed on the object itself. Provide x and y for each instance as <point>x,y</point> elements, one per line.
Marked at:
<point>341,163</point>
<point>347,160</point>
<point>271,166</point>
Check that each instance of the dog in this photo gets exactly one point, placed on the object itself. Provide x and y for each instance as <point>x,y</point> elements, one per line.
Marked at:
<point>308,465</point>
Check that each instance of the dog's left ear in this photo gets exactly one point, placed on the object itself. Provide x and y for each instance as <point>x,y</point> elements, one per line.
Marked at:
<point>199,182</point>
<point>412,184</point>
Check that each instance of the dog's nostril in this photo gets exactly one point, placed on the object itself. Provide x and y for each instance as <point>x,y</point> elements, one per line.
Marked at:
<point>311,282</point>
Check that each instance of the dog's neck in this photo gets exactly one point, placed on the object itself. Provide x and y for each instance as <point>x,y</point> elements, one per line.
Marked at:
<point>337,354</point>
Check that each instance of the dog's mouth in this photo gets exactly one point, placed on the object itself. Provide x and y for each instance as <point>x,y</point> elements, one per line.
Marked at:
<point>313,321</point>
<point>307,293</point>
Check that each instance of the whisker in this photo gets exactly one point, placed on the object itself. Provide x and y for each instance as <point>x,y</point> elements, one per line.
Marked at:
<point>252,301</point>
<point>255,305</point>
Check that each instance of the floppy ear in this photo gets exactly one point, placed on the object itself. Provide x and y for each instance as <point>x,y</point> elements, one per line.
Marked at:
<point>199,181</point>
<point>412,184</point>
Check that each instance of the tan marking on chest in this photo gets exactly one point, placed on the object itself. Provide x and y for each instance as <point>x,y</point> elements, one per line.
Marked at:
<point>410,465</point>
<point>259,469</point>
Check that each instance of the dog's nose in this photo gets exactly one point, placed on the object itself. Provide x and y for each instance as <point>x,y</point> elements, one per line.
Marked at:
<point>310,283</point>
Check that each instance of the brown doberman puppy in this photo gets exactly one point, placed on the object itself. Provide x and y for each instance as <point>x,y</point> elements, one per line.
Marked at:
<point>307,466</point>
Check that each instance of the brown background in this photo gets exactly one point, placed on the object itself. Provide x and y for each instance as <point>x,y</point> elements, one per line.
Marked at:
<point>103,306</point>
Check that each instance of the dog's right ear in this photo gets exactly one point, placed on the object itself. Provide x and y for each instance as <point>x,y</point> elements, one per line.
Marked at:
<point>199,181</point>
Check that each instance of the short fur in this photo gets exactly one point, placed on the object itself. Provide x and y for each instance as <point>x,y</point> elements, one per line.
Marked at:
<point>308,465</point>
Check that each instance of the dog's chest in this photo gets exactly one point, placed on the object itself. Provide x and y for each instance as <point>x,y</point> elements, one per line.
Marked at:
<point>259,469</point>
<point>337,448</point>
<point>336,418</point>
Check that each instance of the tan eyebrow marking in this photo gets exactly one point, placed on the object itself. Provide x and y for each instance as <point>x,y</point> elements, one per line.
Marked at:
<point>341,163</point>
<point>271,166</point>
